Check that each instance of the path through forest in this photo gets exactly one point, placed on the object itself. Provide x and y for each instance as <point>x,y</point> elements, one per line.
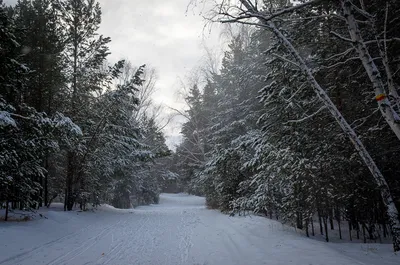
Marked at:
<point>180,230</point>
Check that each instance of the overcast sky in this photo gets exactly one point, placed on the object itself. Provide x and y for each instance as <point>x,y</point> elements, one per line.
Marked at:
<point>168,35</point>
<point>165,35</point>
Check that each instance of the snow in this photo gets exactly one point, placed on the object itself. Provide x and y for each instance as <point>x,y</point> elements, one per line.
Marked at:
<point>65,122</point>
<point>5,119</point>
<point>180,230</point>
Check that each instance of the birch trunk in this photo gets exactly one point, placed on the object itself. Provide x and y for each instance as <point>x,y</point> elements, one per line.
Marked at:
<point>384,53</point>
<point>369,162</point>
<point>385,106</point>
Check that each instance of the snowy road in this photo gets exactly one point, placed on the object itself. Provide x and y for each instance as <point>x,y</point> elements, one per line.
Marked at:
<point>177,231</point>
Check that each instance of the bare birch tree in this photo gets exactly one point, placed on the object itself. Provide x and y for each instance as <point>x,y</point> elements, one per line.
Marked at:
<point>248,12</point>
<point>385,106</point>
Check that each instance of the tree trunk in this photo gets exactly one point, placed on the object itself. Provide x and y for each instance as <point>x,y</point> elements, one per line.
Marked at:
<point>46,180</point>
<point>339,220</point>
<point>312,226</point>
<point>325,218</point>
<point>387,110</point>
<point>384,230</point>
<point>350,237</point>
<point>307,233</point>
<point>320,223</point>
<point>347,129</point>
<point>369,162</point>
<point>299,221</point>
<point>69,200</point>
<point>51,200</point>
<point>371,230</point>
<point>364,236</point>
<point>40,201</point>
<point>7,206</point>
<point>65,198</point>
<point>378,231</point>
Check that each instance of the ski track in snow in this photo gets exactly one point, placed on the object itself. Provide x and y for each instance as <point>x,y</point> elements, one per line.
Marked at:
<point>178,231</point>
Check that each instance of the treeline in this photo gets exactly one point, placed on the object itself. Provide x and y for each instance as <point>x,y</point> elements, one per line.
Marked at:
<point>259,138</point>
<point>72,126</point>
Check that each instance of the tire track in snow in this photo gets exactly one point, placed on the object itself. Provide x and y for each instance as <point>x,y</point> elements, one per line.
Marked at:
<point>128,238</point>
<point>179,232</point>
<point>189,220</point>
<point>87,244</point>
<point>33,251</point>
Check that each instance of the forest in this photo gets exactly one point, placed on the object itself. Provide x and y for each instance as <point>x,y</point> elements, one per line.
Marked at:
<point>299,121</point>
<point>73,126</point>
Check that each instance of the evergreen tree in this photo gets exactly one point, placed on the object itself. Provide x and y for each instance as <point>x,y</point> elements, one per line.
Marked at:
<point>53,64</point>
<point>287,157</point>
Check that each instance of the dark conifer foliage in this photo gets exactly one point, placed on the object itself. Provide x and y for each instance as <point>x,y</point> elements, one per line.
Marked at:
<point>68,132</point>
<point>270,145</point>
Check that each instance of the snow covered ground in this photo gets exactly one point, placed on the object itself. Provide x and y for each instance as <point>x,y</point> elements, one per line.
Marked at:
<point>180,230</point>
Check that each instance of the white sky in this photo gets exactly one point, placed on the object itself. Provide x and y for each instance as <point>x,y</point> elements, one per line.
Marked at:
<point>163,35</point>
<point>166,35</point>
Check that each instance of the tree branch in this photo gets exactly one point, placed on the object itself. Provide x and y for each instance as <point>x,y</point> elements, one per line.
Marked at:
<point>340,36</point>
<point>307,116</point>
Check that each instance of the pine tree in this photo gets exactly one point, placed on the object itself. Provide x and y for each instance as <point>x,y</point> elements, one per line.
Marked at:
<point>26,133</point>
<point>85,54</point>
<point>42,46</point>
